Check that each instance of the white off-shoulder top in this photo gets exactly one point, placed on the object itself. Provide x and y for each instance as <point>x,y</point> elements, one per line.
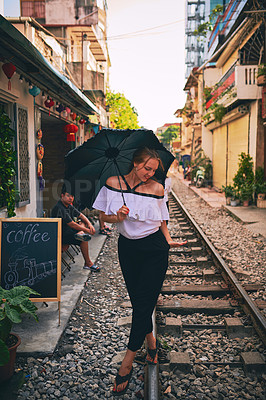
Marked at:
<point>146,211</point>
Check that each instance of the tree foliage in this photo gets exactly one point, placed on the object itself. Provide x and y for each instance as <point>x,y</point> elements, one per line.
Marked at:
<point>207,26</point>
<point>170,134</point>
<point>122,114</point>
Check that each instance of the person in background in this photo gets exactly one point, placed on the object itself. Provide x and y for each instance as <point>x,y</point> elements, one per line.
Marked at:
<point>167,190</point>
<point>76,228</point>
<point>143,247</point>
<point>104,229</point>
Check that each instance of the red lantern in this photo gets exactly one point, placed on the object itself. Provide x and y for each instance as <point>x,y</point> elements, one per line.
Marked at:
<point>73,116</point>
<point>9,70</point>
<point>82,121</point>
<point>70,129</point>
<point>49,103</point>
<point>71,137</point>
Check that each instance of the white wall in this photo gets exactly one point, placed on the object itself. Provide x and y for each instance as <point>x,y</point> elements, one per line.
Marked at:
<point>19,94</point>
<point>253,129</point>
<point>206,141</point>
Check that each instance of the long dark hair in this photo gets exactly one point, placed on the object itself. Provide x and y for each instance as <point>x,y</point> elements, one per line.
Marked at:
<point>143,154</point>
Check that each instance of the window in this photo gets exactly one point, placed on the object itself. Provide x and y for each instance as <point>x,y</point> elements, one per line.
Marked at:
<point>22,155</point>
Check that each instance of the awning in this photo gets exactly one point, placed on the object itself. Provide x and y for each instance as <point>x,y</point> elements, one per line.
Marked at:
<point>16,48</point>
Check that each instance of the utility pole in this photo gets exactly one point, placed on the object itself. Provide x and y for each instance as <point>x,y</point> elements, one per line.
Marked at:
<point>83,38</point>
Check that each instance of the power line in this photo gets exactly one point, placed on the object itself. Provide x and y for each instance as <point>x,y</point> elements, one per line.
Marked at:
<point>143,30</point>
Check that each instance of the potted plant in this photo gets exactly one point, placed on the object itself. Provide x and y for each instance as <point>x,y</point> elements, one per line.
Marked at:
<point>261,76</point>
<point>260,189</point>
<point>228,192</point>
<point>13,303</point>
<point>260,185</point>
<point>235,199</point>
<point>246,193</point>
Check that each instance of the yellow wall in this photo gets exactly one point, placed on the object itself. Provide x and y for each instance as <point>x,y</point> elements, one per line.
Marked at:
<point>219,156</point>
<point>237,143</point>
<point>231,60</point>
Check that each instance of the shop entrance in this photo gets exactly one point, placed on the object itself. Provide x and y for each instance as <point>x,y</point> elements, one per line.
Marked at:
<point>56,147</point>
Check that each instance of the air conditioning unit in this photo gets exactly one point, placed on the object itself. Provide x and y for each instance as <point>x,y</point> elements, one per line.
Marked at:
<point>242,109</point>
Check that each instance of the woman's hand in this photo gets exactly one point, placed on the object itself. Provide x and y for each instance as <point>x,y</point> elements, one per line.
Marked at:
<point>173,244</point>
<point>122,213</point>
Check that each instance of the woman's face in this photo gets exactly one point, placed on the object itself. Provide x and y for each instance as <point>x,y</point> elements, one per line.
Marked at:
<point>146,169</point>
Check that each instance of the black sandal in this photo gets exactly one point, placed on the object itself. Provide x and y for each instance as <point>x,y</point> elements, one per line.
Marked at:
<point>153,353</point>
<point>119,380</point>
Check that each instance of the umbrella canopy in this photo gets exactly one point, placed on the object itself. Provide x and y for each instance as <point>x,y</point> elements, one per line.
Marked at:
<point>107,154</point>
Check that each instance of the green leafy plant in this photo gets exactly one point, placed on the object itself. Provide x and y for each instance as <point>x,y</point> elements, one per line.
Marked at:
<point>246,191</point>
<point>8,190</point>
<point>13,303</point>
<point>219,112</point>
<point>228,190</point>
<point>259,183</point>
<point>236,194</point>
<point>245,172</point>
<point>206,27</point>
<point>261,70</point>
<point>244,177</point>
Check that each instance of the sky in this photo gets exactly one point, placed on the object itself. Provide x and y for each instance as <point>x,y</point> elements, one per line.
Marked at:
<point>146,43</point>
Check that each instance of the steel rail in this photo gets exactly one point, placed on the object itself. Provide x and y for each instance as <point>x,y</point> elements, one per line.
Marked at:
<point>247,304</point>
<point>152,372</point>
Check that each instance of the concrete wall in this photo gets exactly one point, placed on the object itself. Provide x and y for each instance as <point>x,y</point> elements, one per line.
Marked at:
<point>59,12</point>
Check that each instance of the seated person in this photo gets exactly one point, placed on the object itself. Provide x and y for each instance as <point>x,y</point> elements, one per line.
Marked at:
<point>104,229</point>
<point>76,228</point>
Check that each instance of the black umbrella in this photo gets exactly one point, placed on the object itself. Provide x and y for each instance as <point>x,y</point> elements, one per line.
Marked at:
<point>107,154</point>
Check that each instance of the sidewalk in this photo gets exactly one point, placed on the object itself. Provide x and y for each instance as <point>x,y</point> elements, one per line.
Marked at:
<point>253,217</point>
<point>41,338</point>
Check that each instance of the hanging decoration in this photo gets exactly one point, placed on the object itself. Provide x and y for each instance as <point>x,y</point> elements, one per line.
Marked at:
<point>71,129</point>
<point>82,121</point>
<point>34,91</point>
<point>39,134</point>
<point>96,129</point>
<point>41,183</point>
<point>60,108</point>
<point>64,114</point>
<point>39,169</point>
<point>49,103</point>
<point>77,118</point>
<point>40,151</point>
<point>73,116</point>
<point>9,70</point>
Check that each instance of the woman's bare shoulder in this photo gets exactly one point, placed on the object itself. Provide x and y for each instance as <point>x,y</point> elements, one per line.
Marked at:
<point>113,182</point>
<point>156,188</point>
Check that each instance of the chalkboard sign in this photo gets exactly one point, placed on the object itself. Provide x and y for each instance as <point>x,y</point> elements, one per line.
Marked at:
<point>30,255</point>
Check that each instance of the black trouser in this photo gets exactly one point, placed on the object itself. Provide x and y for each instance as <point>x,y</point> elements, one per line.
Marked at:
<point>144,263</point>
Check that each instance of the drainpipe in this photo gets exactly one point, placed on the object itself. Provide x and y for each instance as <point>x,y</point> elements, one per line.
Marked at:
<point>249,127</point>
<point>192,145</point>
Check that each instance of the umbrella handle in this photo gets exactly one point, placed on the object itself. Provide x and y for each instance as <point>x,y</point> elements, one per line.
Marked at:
<point>118,176</point>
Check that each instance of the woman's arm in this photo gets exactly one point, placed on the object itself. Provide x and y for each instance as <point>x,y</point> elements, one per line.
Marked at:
<point>166,233</point>
<point>121,215</point>
<point>108,218</point>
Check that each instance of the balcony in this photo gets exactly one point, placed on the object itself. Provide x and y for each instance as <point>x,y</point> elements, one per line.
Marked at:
<point>238,83</point>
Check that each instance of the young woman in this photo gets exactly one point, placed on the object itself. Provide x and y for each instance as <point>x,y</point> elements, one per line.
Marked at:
<point>140,213</point>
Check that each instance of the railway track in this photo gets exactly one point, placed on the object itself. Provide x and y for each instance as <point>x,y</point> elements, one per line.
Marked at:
<point>204,307</point>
